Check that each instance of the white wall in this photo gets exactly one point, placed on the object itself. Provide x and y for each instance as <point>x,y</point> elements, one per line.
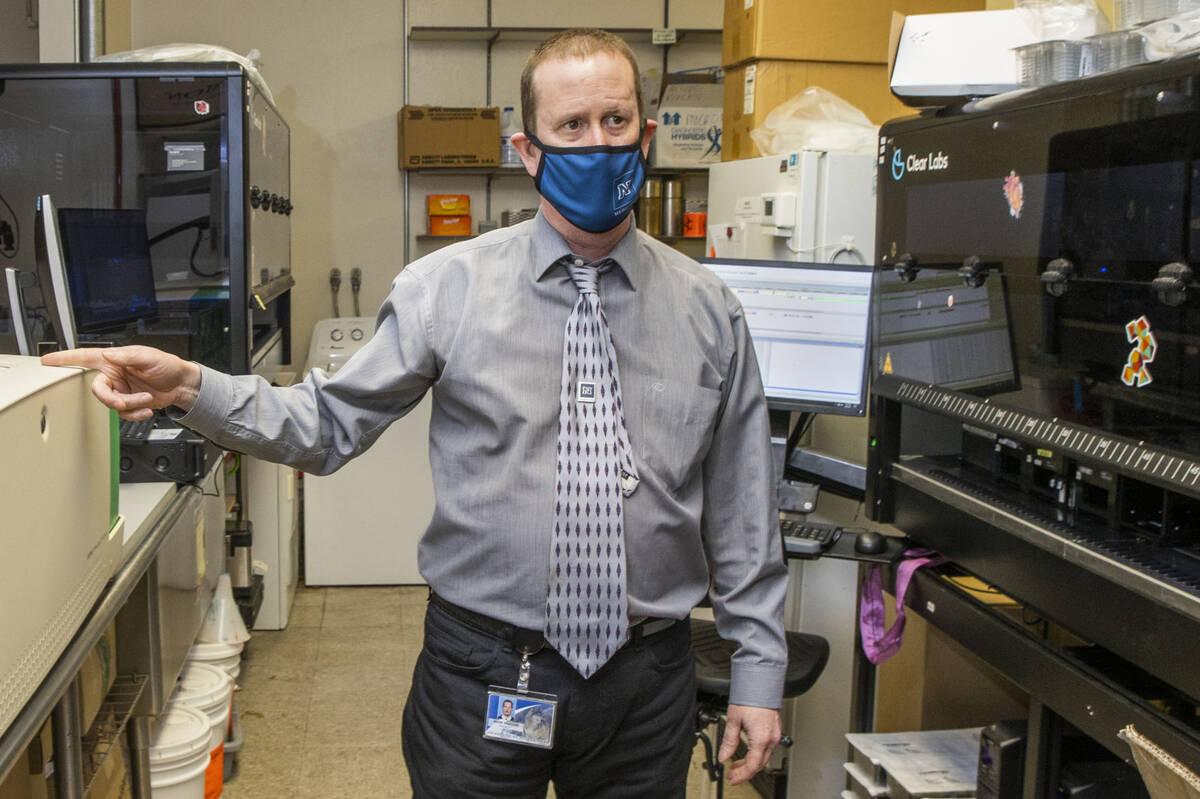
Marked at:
<point>18,41</point>
<point>336,70</point>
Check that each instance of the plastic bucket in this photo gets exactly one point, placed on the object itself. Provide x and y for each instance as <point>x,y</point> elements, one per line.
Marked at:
<point>208,689</point>
<point>226,656</point>
<point>179,753</point>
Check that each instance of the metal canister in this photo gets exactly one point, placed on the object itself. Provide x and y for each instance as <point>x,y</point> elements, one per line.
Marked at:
<point>649,207</point>
<point>672,207</point>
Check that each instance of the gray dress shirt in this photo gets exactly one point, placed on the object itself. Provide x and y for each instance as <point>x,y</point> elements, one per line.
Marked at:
<point>480,323</point>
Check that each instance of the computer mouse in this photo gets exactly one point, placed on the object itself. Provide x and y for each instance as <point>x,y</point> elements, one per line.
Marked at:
<point>870,542</point>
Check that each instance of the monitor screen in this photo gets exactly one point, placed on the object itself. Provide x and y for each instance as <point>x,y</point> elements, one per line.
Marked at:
<point>809,323</point>
<point>107,258</point>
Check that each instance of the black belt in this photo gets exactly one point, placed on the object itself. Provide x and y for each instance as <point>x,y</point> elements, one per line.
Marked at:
<point>533,640</point>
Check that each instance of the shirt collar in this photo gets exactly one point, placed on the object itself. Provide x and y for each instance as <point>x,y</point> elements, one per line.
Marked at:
<point>549,247</point>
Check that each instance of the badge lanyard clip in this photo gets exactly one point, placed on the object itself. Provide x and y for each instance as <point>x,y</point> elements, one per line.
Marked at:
<point>523,673</point>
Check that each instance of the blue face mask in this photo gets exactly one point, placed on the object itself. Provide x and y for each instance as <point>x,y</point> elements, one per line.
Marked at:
<point>592,187</point>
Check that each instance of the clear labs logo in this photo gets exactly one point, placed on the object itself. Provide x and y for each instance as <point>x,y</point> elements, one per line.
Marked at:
<point>918,163</point>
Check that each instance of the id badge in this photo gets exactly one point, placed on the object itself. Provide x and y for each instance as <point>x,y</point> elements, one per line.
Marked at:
<point>520,717</point>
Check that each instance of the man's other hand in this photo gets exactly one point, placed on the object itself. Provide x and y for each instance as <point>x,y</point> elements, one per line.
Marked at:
<point>762,729</point>
<point>135,380</point>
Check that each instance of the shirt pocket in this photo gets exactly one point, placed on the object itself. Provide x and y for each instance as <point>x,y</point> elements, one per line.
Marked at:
<point>677,426</point>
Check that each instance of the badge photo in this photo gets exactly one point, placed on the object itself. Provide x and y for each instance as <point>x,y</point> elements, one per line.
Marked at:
<point>520,718</point>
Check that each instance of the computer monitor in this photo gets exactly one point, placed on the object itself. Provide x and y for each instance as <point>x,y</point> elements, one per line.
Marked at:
<point>810,326</point>
<point>52,274</point>
<point>107,256</point>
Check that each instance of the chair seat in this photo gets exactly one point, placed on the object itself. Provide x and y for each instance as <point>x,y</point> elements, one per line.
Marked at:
<point>807,655</point>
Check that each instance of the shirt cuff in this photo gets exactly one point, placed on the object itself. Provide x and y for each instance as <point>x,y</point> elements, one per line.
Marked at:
<point>757,685</point>
<point>213,402</point>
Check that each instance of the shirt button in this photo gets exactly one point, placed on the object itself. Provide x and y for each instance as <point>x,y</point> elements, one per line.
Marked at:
<point>579,262</point>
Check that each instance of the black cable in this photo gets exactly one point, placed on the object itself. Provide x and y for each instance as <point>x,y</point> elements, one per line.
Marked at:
<point>17,231</point>
<point>201,224</point>
<point>192,258</point>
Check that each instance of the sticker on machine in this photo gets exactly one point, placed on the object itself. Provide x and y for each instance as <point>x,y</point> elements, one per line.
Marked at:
<point>1014,194</point>
<point>201,107</point>
<point>1136,371</point>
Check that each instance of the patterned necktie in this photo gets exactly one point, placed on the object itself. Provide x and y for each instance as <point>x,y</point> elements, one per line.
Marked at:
<point>587,617</point>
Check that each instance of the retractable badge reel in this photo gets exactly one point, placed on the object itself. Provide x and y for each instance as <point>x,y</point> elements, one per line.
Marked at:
<point>518,715</point>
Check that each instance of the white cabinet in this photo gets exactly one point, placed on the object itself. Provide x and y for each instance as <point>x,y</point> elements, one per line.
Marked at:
<point>273,509</point>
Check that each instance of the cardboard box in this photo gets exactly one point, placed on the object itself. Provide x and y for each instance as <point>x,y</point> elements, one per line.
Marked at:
<point>448,204</point>
<point>432,136</point>
<point>15,784</point>
<point>450,225</point>
<point>933,682</point>
<point>935,57</point>
<point>97,675</point>
<point>112,779</point>
<point>819,30</point>
<point>41,769</point>
<point>753,90</point>
<point>689,125</point>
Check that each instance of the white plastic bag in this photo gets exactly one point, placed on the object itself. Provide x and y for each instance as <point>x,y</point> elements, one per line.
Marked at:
<point>815,119</point>
<point>195,52</point>
<point>1063,19</point>
<point>1172,36</point>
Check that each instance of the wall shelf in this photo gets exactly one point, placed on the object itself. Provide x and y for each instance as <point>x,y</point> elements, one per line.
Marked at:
<point>493,35</point>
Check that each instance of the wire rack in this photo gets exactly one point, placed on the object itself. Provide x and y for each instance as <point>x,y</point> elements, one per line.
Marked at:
<point>104,736</point>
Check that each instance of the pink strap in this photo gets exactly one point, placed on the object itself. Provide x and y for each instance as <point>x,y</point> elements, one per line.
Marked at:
<point>880,644</point>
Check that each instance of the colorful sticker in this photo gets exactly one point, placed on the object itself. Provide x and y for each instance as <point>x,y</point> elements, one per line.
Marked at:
<point>201,107</point>
<point>1136,371</point>
<point>1014,192</point>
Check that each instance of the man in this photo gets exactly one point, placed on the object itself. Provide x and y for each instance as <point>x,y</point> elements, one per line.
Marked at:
<point>598,432</point>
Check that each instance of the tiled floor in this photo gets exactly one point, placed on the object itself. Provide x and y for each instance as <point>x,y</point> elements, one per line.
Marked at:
<point>320,702</point>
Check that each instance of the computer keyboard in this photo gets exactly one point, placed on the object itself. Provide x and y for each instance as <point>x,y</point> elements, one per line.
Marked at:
<point>802,537</point>
<point>136,432</point>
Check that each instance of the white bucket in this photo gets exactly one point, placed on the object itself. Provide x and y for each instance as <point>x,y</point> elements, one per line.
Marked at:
<point>226,656</point>
<point>208,689</point>
<point>179,753</point>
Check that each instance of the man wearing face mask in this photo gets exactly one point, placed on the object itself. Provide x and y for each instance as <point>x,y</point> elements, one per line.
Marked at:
<point>601,461</point>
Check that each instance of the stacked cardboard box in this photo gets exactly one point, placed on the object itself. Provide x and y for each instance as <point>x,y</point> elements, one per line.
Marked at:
<point>774,49</point>
<point>448,214</point>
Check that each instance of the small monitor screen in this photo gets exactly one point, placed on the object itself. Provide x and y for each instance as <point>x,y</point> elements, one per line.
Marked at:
<point>809,323</point>
<point>107,258</point>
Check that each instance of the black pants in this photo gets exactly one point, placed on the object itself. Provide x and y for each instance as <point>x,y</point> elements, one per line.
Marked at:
<point>626,732</point>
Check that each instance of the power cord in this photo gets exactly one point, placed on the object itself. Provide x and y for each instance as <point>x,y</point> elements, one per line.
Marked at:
<point>355,285</point>
<point>335,284</point>
<point>10,234</point>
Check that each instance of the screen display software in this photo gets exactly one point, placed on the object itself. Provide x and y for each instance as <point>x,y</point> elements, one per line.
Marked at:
<point>809,323</point>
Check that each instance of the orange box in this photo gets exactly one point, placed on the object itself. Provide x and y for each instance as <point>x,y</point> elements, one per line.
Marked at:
<point>448,204</point>
<point>450,225</point>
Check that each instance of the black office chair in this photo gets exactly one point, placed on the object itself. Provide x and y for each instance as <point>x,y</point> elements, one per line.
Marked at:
<point>807,655</point>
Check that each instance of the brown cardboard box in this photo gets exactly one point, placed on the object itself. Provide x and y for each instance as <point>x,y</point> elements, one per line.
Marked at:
<point>754,89</point>
<point>41,772</point>
<point>819,30</point>
<point>450,225</point>
<point>111,781</point>
<point>15,784</point>
<point>431,136</point>
<point>934,683</point>
<point>448,204</point>
<point>97,676</point>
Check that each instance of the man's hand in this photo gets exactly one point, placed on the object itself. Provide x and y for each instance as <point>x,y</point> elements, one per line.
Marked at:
<point>135,380</point>
<point>762,729</point>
